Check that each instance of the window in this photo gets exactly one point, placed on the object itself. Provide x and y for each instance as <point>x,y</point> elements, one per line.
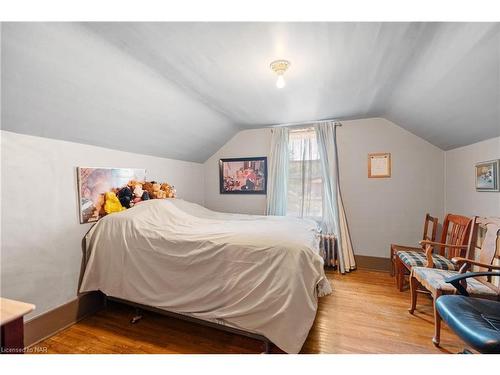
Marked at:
<point>305,184</point>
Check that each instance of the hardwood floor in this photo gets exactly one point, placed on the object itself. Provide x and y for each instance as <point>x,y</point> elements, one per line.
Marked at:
<point>365,314</point>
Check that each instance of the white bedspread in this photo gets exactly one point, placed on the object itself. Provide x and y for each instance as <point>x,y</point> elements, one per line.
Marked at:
<point>258,273</point>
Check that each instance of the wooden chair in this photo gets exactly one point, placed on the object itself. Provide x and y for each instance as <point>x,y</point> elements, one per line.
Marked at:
<point>431,222</point>
<point>454,240</point>
<point>434,280</point>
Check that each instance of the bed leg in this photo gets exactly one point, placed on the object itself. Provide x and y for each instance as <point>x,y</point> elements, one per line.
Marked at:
<point>136,317</point>
<point>267,347</point>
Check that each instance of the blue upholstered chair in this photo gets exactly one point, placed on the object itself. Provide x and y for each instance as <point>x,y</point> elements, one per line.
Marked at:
<point>474,320</point>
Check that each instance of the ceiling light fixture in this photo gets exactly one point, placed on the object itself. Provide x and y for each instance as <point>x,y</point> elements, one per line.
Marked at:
<point>279,67</point>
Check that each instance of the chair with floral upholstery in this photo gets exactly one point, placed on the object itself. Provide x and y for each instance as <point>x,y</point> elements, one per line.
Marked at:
<point>434,279</point>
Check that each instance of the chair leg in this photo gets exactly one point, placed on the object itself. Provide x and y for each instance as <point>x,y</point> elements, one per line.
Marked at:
<point>396,272</point>
<point>437,323</point>
<point>400,271</point>
<point>392,262</point>
<point>413,293</point>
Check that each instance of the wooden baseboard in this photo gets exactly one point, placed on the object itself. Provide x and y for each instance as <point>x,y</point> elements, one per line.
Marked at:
<point>373,263</point>
<point>55,320</point>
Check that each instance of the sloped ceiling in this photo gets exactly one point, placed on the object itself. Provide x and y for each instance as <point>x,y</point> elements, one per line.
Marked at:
<point>182,89</point>
<point>62,81</point>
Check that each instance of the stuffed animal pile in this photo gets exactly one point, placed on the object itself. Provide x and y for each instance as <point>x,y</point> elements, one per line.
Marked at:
<point>136,192</point>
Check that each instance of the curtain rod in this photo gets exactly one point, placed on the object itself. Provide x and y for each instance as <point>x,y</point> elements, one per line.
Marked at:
<point>304,123</point>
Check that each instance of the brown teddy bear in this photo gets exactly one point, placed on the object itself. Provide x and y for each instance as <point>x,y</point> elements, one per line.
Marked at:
<point>148,187</point>
<point>157,192</point>
<point>167,189</point>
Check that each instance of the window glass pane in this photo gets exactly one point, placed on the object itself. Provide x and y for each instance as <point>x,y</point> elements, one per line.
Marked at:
<point>305,185</point>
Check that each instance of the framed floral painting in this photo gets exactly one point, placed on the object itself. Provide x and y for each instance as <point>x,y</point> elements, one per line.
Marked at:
<point>487,176</point>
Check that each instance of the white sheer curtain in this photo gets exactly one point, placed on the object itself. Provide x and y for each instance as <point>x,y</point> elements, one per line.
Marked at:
<point>303,181</point>
<point>278,173</point>
<point>334,218</point>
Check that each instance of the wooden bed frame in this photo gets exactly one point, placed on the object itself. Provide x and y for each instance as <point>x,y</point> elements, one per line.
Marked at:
<point>267,344</point>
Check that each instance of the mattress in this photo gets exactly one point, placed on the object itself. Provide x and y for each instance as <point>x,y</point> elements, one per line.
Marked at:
<point>262,274</point>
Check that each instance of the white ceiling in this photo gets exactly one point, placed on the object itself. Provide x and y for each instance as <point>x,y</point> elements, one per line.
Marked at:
<point>440,81</point>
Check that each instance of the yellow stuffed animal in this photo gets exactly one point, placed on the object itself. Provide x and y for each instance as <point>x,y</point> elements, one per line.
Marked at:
<point>112,203</point>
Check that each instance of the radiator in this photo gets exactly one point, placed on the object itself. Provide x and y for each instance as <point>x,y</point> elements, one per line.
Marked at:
<point>328,249</point>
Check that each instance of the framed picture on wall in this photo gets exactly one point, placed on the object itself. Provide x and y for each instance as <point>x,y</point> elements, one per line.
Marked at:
<point>243,175</point>
<point>379,165</point>
<point>93,183</point>
<point>487,176</point>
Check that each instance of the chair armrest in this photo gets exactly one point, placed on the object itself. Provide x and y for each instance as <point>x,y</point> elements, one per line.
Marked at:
<point>429,247</point>
<point>432,243</point>
<point>459,261</point>
<point>428,254</point>
<point>455,280</point>
<point>405,248</point>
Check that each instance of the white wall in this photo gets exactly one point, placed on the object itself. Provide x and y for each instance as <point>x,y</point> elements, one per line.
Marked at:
<point>41,235</point>
<point>461,196</point>
<point>246,143</point>
<point>379,211</point>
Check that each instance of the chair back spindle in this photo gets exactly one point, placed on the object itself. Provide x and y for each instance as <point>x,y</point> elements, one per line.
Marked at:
<point>433,223</point>
<point>456,230</point>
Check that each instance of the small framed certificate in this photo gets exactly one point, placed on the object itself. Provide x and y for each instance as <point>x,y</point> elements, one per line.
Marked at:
<point>379,165</point>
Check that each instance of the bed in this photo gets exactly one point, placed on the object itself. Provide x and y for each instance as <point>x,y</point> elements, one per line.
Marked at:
<point>260,274</point>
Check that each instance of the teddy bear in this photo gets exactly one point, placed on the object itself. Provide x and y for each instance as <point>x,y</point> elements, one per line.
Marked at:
<point>125,196</point>
<point>112,203</point>
<point>138,192</point>
<point>148,188</point>
<point>157,192</point>
<point>169,190</point>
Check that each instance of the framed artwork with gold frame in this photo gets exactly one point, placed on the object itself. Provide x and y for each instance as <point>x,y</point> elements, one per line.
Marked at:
<point>379,165</point>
